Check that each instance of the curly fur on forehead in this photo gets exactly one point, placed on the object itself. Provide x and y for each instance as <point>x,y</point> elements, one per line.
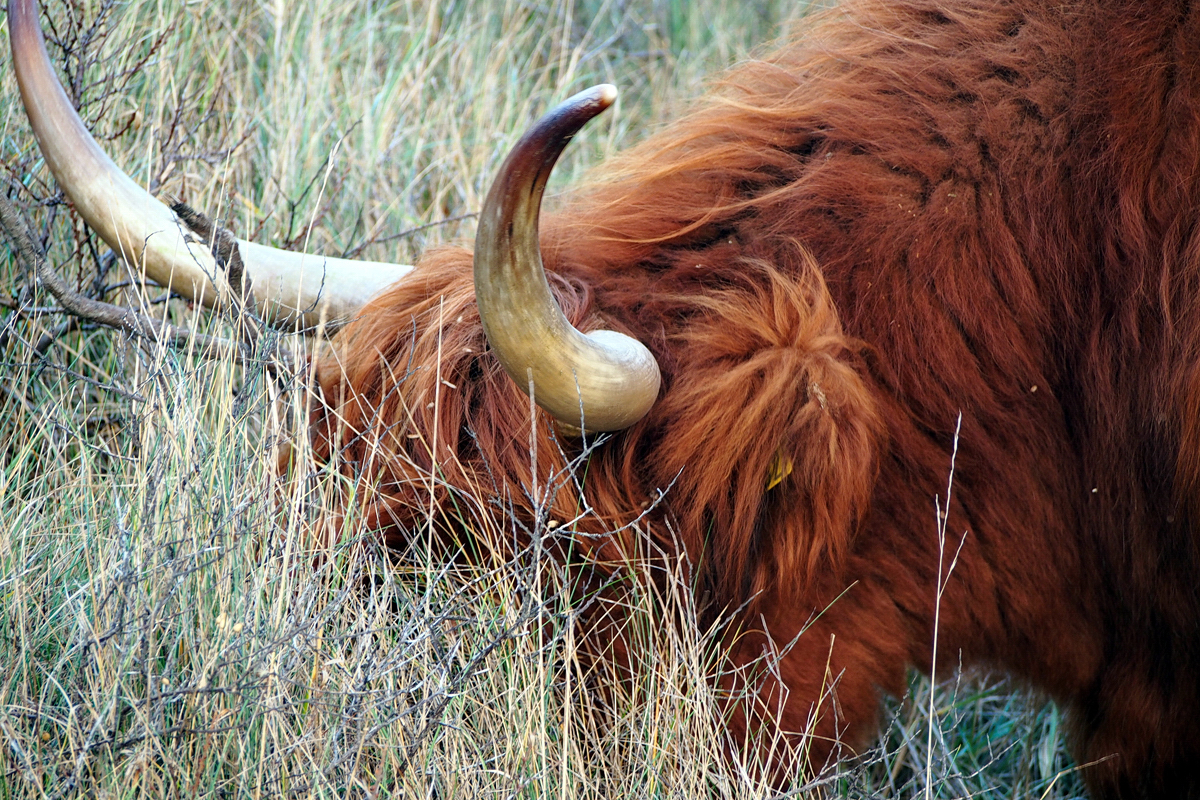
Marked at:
<point>916,213</point>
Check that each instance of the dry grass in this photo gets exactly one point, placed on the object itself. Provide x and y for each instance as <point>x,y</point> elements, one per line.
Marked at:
<point>164,631</point>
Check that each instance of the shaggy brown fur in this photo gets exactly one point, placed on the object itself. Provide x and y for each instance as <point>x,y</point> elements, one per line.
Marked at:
<point>921,209</point>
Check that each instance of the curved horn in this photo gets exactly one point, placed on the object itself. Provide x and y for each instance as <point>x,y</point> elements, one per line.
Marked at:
<point>287,286</point>
<point>604,379</point>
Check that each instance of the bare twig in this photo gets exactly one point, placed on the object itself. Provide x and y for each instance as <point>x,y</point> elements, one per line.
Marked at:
<point>356,251</point>
<point>112,316</point>
<point>224,247</point>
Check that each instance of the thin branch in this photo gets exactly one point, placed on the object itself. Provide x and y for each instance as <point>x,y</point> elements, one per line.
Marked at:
<point>118,317</point>
<point>356,251</point>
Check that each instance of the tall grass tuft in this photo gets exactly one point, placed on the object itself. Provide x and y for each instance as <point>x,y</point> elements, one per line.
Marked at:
<point>166,627</point>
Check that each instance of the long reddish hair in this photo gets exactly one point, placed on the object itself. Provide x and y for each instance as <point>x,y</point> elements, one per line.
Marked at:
<point>918,213</point>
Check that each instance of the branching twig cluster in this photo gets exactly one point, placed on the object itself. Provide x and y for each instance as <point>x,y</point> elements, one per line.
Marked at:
<point>125,319</point>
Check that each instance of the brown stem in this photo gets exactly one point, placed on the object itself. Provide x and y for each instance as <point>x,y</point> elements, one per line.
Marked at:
<point>107,314</point>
